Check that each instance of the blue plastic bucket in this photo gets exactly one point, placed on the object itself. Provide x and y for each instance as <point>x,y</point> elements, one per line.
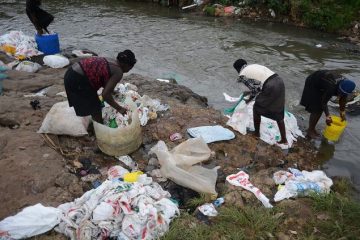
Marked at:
<point>48,44</point>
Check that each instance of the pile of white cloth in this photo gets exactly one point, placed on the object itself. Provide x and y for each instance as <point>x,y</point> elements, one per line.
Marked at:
<point>25,45</point>
<point>242,119</point>
<point>140,210</point>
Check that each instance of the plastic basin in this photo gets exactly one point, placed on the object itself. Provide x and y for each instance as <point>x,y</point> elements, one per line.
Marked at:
<point>48,44</point>
<point>334,131</point>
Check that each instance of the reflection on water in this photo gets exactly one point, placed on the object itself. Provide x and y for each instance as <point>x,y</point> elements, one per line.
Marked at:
<point>199,52</point>
<point>325,151</point>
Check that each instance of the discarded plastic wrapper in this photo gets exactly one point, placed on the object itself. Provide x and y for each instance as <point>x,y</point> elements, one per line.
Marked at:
<point>301,183</point>
<point>242,119</point>
<point>31,221</point>
<point>128,161</point>
<point>178,165</point>
<point>132,177</point>
<point>175,136</point>
<point>211,133</point>
<point>116,172</point>
<point>208,209</point>
<point>241,179</point>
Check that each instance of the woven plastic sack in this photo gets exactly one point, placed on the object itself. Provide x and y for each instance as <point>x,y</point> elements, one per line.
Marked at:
<point>120,141</point>
<point>62,120</point>
<point>177,165</point>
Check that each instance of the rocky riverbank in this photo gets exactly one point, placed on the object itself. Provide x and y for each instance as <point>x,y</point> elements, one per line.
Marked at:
<point>321,15</point>
<point>35,168</point>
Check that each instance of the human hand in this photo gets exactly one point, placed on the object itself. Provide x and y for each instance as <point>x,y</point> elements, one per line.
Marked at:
<point>343,116</point>
<point>122,110</point>
<point>328,120</point>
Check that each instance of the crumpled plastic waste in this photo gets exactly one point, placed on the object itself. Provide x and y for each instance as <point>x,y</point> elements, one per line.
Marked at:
<point>17,44</point>
<point>241,179</point>
<point>31,221</point>
<point>116,172</point>
<point>301,183</point>
<point>146,106</point>
<point>28,66</point>
<point>128,161</point>
<point>208,209</point>
<point>121,210</point>
<point>242,119</point>
<point>56,61</point>
<point>179,165</point>
<point>81,53</point>
<point>211,133</point>
<point>41,93</point>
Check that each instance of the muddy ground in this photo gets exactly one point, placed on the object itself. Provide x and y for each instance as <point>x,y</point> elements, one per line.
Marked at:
<point>34,169</point>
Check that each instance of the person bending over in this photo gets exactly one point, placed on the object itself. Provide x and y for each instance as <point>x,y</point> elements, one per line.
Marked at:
<point>83,79</point>
<point>268,89</point>
<point>319,87</point>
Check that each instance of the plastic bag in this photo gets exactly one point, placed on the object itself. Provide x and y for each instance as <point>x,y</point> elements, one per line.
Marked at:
<point>28,66</point>
<point>29,222</point>
<point>120,141</point>
<point>62,120</point>
<point>211,133</point>
<point>240,118</point>
<point>177,165</point>
<point>241,179</point>
<point>301,183</point>
<point>56,61</point>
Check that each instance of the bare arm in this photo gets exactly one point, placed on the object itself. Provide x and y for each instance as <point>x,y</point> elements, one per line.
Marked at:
<point>109,88</point>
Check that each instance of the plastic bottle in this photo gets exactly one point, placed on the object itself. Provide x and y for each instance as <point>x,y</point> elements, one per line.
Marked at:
<point>302,188</point>
<point>113,123</point>
<point>218,202</point>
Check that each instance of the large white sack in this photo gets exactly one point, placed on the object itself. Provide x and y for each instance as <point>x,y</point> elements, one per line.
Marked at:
<point>31,221</point>
<point>56,61</point>
<point>62,120</point>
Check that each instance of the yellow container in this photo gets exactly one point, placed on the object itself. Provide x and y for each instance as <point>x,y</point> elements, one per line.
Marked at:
<point>132,177</point>
<point>334,131</point>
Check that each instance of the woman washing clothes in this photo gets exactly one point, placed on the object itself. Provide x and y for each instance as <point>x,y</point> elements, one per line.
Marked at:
<point>39,18</point>
<point>319,87</point>
<point>83,79</point>
<point>269,90</point>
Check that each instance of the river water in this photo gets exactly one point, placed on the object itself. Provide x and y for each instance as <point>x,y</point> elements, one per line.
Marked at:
<point>199,52</point>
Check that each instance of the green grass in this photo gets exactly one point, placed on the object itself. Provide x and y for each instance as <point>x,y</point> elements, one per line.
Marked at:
<point>343,218</point>
<point>231,223</point>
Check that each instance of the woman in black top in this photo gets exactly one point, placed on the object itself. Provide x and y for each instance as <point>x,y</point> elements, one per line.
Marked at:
<point>40,18</point>
<point>319,87</point>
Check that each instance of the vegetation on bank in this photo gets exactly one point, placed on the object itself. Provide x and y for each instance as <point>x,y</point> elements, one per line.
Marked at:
<point>326,15</point>
<point>332,216</point>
